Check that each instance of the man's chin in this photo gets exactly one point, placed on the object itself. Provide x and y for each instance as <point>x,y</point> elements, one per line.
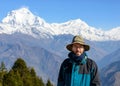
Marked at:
<point>78,54</point>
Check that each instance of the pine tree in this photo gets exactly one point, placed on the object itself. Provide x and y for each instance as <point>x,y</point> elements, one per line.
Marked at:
<point>32,72</point>
<point>12,79</point>
<point>24,72</point>
<point>40,81</point>
<point>2,67</point>
<point>35,79</point>
<point>21,67</point>
<point>21,75</point>
<point>49,83</point>
<point>3,71</point>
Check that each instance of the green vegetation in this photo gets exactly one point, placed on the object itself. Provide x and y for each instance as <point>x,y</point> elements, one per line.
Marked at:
<point>20,75</point>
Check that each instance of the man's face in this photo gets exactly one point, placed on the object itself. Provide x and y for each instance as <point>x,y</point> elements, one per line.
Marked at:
<point>78,49</point>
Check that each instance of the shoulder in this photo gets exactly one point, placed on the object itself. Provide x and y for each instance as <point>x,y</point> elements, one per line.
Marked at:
<point>91,62</point>
<point>66,62</point>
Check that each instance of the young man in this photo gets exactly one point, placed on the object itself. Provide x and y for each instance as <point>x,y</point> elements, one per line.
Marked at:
<point>78,69</point>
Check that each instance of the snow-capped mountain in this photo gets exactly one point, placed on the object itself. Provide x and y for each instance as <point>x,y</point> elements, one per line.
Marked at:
<point>115,32</point>
<point>22,17</point>
<point>42,45</point>
<point>22,20</point>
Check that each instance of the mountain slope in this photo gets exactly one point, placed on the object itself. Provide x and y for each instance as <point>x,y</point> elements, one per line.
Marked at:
<point>110,58</point>
<point>46,63</point>
<point>110,75</point>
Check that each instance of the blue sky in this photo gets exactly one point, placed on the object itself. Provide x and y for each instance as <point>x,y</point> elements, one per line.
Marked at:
<point>104,14</point>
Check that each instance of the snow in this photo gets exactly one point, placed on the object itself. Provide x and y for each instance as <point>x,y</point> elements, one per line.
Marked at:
<point>24,21</point>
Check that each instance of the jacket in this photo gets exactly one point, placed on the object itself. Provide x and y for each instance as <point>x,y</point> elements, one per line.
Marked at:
<point>86,73</point>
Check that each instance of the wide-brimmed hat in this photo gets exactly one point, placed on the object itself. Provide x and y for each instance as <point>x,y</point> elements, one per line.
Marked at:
<point>80,40</point>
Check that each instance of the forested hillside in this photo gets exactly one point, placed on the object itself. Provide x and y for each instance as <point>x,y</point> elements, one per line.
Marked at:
<point>20,75</point>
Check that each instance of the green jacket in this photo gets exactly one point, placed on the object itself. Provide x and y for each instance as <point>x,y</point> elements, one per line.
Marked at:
<point>83,74</point>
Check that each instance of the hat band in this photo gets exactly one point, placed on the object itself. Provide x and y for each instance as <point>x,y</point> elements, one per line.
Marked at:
<point>79,42</point>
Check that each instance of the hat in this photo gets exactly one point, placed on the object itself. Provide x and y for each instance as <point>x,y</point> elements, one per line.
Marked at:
<point>78,39</point>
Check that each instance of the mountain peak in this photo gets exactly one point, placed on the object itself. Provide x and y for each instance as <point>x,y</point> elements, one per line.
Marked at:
<point>22,20</point>
<point>22,16</point>
<point>24,10</point>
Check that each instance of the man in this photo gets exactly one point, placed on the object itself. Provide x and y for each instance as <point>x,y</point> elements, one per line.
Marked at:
<point>78,69</point>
